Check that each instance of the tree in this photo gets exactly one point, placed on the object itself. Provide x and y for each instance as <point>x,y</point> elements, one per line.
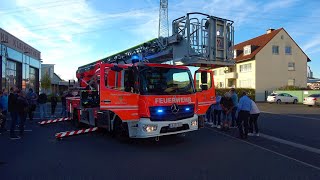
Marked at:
<point>45,82</point>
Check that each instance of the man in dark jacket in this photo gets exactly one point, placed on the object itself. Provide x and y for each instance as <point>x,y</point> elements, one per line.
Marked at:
<point>13,111</point>
<point>22,109</point>
<point>42,105</point>
<point>54,101</point>
<point>63,105</point>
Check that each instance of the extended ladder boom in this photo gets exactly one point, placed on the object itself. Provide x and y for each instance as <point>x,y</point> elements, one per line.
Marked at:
<point>197,40</point>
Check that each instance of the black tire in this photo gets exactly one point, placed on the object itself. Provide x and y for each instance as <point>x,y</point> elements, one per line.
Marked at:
<point>278,101</point>
<point>295,101</point>
<point>120,130</point>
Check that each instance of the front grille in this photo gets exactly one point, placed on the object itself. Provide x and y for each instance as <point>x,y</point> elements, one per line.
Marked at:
<point>164,113</point>
<point>166,129</point>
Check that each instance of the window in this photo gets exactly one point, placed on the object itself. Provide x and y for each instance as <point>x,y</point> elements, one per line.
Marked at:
<point>291,66</point>
<point>221,84</point>
<point>247,50</point>
<point>245,67</point>
<point>275,49</point>
<point>291,82</point>
<point>288,50</point>
<point>32,77</point>
<point>245,83</point>
<point>169,81</point>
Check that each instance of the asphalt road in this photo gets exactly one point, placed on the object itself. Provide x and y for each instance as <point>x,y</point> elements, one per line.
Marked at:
<point>287,149</point>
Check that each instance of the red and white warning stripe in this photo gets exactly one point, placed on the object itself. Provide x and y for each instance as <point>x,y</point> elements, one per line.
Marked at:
<point>54,120</point>
<point>72,133</point>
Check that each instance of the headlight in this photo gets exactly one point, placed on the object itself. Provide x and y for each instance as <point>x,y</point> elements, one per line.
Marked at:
<point>149,128</point>
<point>194,123</point>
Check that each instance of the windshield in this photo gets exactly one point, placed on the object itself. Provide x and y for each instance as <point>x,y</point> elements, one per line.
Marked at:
<point>314,95</point>
<point>165,81</point>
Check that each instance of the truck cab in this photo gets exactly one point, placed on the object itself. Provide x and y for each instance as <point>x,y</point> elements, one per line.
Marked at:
<point>155,99</point>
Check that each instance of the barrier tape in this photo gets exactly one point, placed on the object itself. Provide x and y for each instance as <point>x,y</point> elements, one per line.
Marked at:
<point>72,133</point>
<point>54,121</point>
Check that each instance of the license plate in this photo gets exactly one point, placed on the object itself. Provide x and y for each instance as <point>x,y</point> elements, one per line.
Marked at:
<point>175,125</point>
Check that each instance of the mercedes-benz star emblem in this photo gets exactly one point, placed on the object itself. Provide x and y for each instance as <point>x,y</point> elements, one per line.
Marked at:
<point>174,108</point>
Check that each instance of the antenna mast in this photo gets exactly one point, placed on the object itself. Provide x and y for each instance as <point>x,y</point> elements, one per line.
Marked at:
<point>163,19</point>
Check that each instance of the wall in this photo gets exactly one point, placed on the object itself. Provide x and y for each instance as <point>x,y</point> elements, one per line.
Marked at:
<point>250,75</point>
<point>272,70</point>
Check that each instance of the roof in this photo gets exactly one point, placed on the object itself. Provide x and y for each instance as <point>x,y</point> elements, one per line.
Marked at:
<point>313,80</point>
<point>257,44</point>
<point>56,79</point>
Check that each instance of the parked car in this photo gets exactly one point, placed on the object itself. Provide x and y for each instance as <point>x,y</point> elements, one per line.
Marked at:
<point>318,102</point>
<point>282,98</point>
<point>311,100</point>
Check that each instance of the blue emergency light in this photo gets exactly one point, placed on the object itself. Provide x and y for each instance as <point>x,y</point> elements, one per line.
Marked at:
<point>160,111</point>
<point>135,59</point>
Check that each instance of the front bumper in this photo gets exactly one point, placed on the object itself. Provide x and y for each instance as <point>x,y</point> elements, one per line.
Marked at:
<point>136,129</point>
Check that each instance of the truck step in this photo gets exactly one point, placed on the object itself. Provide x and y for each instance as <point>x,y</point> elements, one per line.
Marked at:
<point>54,120</point>
<point>60,135</point>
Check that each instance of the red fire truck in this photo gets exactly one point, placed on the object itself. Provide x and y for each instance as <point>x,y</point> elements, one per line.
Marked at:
<point>148,90</point>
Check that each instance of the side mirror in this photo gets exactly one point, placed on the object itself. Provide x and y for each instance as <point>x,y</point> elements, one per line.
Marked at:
<point>116,68</point>
<point>204,87</point>
<point>204,77</point>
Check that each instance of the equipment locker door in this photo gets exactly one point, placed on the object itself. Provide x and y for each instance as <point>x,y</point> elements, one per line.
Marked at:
<point>115,95</point>
<point>205,91</point>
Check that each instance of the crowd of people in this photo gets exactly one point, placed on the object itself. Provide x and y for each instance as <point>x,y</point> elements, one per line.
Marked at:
<point>230,112</point>
<point>19,105</point>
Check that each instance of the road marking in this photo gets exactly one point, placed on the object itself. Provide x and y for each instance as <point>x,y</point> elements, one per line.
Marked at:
<point>282,155</point>
<point>26,130</point>
<point>297,145</point>
<point>292,115</point>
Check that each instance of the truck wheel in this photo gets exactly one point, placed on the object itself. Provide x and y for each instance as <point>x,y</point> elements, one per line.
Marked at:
<point>120,130</point>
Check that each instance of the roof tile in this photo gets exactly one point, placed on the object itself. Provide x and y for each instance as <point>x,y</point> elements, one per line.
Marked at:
<point>257,44</point>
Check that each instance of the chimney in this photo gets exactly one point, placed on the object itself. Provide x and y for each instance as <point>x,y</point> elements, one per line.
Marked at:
<point>269,30</point>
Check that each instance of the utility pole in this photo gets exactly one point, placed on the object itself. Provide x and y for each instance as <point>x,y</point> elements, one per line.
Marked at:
<point>163,19</point>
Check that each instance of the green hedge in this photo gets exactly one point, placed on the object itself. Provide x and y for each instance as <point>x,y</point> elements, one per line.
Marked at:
<point>251,92</point>
<point>288,88</point>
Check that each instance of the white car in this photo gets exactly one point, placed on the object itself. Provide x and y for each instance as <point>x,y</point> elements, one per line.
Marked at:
<point>311,100</point>
<point>282,98</point>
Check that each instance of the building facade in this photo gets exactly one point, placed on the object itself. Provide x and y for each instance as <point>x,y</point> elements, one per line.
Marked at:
<point>20,63</point>
<point>265,63</point>
<point>58,85</point>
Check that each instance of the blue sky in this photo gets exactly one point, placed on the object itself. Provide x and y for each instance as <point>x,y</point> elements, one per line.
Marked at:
<point>71,33</point>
